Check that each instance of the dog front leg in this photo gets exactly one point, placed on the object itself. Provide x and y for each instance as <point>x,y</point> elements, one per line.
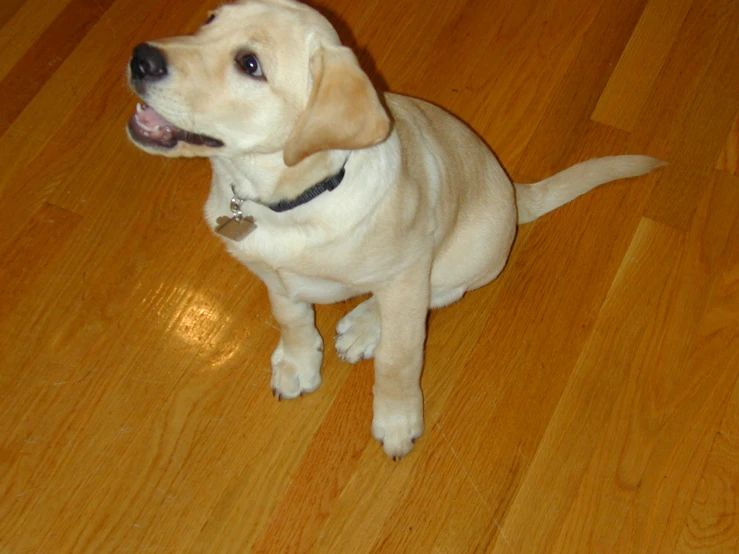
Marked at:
<point>296,362</point>
<point>398,402</point>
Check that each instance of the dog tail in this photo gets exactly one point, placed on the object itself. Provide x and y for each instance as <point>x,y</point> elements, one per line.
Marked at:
<point>539,198</point>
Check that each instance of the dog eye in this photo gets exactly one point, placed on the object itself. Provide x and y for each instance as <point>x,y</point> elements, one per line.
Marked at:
<point>249,64</point>
<point>211,17</point>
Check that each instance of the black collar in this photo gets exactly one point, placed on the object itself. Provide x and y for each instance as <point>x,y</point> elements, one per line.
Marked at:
<point>309,194</point>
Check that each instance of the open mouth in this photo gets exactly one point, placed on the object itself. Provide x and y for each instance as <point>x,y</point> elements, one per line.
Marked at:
<point>149,128</point>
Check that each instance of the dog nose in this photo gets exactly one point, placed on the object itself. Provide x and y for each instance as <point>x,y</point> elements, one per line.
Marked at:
<point>148,62</point>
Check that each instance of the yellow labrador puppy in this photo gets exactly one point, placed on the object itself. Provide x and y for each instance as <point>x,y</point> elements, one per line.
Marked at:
<point>326,191</point>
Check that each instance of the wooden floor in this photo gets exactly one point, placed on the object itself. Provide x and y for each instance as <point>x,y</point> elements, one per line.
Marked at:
<point>587,401</point>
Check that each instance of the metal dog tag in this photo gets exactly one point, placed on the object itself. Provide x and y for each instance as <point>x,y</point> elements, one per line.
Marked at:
<point>235,228</point>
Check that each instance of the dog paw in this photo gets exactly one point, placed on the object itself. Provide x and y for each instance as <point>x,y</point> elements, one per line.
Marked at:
<point>358,333</point>
<point>293,376</point>
<point>397,425</point>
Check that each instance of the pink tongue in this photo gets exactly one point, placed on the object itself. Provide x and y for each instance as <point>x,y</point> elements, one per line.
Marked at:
<point>150,118</point>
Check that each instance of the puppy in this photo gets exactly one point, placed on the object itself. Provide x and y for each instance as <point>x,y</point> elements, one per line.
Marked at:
<point>326,192</point>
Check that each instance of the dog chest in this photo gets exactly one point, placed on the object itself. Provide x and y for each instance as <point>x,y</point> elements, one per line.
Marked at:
<point>302,288</point>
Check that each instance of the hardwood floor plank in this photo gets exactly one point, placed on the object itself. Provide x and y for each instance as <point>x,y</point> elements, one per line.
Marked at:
<point>658,529</point>
<point>728,160</point>
<point>600,140</point>
<point>8,10</point>
<point>703,85</point>
<point>675,198</point>
<point>638,67</point>
<point>562,456</point>
<point>295,523</point>
<point>187,383</point>
<point>664,416</point>
<point>40,61</point>
<point>63,393</point>
<point>713,521</point>
<point>383,44</point>
<point>442,502</point>
<point>511,88</point>
<point>400,510</point>
<point>22,31</point>
<point>574,100</point>
<point>25,257</point>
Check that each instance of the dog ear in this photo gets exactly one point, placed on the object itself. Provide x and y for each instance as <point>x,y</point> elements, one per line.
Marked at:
<point>343,111</point>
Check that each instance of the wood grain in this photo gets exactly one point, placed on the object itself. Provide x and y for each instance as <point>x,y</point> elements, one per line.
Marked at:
<point>713,520</point>
<point>49,51</point>
<point>659,425</point>
<point>701,81</point>
<point>574,100</point>
<point>586,401</point>
<point>729,158</point>
<point>24,21</point>
<point>638,67</point>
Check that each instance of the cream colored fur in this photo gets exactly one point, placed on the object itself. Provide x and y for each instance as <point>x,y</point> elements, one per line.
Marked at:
<point>424,214</point>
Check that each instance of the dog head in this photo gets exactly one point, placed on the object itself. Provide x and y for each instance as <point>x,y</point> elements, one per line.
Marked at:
<point>260,76</point>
